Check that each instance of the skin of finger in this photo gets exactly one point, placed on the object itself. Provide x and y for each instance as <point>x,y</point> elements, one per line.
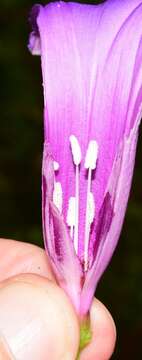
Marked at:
<point>18,257</point>
<point>103,334</point>
<point>5,353</point>
<point>102,324</point>
<point>37,320</point>
<point>28,256</point>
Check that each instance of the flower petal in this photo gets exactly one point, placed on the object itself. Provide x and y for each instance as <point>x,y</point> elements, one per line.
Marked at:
<point>34,40</point>
<point>58,244</point>
<point>92,76</point>
<point>118,189</point>
<point>90,89</point>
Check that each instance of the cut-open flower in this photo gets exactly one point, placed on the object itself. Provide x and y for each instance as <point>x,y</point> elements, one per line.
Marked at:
<point>92,77</point>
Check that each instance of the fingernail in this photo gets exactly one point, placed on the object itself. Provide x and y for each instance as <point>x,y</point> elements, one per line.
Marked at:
<point>5,353</point>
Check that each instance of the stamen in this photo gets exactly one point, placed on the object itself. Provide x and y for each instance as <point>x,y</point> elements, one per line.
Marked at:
<point>71,215</point>
<point>58,196</point>
<point>76,153</point>
<point>91,208</point>
<point>91,155</point>
<point>91,215</point>
<point>90,164</point>
<point>56,165</point>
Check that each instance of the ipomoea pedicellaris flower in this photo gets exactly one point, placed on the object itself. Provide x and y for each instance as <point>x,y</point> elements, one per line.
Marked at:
<point>92,77</point>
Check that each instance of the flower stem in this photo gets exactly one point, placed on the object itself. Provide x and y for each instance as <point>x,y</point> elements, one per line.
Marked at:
<point>85,335</point>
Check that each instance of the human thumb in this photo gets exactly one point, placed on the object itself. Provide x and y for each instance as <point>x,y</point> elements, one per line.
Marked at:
<point>36,320</point>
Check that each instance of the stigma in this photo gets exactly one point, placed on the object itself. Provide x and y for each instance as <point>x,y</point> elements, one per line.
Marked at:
<point>73,211</point>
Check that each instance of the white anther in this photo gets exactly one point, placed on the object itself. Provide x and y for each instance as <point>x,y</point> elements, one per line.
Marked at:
<point>56,165</point>
<point>58,196</point>
<point>71,212</point>
<point>91,208</point>
<point>76,150</point>
<point>91,155</point>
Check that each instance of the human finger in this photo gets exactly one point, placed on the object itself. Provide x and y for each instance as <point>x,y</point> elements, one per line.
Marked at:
<point>37,321</point>
<point>19,257</point>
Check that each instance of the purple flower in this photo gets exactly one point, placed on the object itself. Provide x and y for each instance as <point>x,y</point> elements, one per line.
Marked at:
<point>92,77</point>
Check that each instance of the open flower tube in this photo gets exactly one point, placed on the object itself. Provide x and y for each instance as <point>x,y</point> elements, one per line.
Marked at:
<point>91,58</point>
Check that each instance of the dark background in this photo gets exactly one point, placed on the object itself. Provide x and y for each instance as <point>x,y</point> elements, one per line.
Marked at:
<point>21,136</point>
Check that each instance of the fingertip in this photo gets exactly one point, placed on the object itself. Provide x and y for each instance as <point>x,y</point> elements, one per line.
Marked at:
<point>5,353</point>
<point>37,319</point>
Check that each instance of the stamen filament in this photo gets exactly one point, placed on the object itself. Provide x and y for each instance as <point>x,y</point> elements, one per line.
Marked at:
<point>76,154</point>
<point>87,223</point>
<point>90,164</point>
<point>73,208</point>
<point>76,208</point>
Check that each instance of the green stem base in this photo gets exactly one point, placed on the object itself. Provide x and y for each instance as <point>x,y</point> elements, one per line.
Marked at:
<point>85,336</point>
